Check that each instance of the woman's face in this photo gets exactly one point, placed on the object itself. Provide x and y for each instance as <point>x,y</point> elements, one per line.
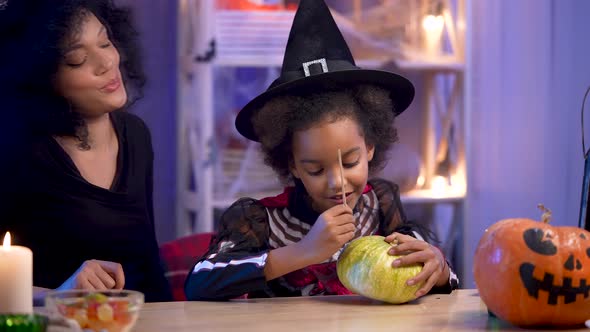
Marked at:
<point>315,162</point>
<point>89,75</point>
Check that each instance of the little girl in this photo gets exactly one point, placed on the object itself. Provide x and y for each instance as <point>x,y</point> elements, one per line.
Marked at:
<point>324,126</point>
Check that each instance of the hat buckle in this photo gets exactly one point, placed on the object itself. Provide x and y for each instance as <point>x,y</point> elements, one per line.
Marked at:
<point>321,61</point>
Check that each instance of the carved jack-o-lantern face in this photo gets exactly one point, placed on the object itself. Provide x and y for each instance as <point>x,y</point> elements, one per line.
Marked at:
<point>541,242</point>
<point>530,273</point>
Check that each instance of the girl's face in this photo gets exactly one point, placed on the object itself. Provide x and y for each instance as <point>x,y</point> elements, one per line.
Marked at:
<point>89,75</point>
<point>315,162</point>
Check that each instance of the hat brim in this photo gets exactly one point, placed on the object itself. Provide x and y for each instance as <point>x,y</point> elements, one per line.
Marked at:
<point>401,92</point>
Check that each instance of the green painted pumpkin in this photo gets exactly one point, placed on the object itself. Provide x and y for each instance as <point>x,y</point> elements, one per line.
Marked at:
<point>365,268</point>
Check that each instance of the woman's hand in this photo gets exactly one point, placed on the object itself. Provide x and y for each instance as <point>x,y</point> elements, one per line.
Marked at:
<point>435,270</point>
<point>96,275</point>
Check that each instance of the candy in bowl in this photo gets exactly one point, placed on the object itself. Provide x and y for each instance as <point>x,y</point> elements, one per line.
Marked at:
<point>97,311</point>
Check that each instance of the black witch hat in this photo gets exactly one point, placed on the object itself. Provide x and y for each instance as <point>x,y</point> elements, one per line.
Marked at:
<point>317,56</point>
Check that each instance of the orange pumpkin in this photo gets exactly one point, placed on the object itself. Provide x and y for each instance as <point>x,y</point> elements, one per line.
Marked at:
<point>530,273</point>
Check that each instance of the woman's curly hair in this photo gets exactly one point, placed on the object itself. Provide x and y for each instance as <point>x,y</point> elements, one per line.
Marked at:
<point>32,35</point>
<point>369,105</point>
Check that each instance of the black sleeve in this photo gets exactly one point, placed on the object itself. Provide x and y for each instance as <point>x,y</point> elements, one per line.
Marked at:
<point>393,219</point>
<point>391,213</point>
<point>234,264</point>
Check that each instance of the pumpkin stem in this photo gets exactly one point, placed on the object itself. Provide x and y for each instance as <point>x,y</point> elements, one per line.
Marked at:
<point>546,216</point>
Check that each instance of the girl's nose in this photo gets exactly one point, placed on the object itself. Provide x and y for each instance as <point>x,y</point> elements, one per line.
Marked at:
<point>335,180</point>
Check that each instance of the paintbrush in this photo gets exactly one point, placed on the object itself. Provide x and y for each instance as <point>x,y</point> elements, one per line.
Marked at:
<point>342,177</point>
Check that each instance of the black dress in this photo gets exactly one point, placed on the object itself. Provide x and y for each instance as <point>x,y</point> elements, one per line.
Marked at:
<point>65,220</point>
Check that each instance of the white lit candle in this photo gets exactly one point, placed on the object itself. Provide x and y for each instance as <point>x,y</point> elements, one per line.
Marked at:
<point>16,278</point>
<point>433,27</point>
<point>439,186</point>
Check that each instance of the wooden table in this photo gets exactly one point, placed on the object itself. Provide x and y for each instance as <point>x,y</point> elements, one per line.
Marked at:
<point>460,311</point>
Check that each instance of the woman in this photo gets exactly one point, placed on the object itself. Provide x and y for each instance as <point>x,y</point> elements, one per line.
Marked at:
<point>79,181</point>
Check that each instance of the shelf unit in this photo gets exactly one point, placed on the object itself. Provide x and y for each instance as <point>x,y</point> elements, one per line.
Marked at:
<point>211,38</point>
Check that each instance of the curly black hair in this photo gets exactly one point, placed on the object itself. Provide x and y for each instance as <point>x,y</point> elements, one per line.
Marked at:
<point>369,105</point>
<point>32,35</point>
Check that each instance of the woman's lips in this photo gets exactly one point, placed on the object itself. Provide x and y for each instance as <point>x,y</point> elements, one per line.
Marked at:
<point>112,86</point>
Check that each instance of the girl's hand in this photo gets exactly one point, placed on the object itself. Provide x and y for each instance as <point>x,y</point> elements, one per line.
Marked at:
<point>435,270</point>
<point>333,228</point>
<point>96,275</point>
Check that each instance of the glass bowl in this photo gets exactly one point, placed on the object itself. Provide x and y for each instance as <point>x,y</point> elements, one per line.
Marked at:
<point>98,311</point>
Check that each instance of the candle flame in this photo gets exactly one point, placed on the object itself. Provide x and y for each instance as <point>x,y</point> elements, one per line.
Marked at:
<point>439,186</point>
<point>7,240</point>
<point>433,22</point>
